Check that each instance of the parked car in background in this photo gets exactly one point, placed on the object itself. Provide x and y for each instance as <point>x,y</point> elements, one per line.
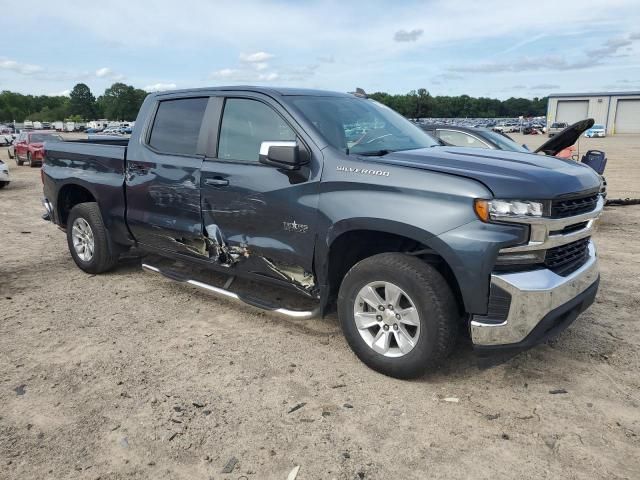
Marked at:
<point>557,127</point>
<point>29,146</point>
<point>4,175</point>
<point>94,130</point>
<point>560,146</point>
<point>111,131</point>
<point>473,137</point>
<point>6,139</point>
<point>597,130</point>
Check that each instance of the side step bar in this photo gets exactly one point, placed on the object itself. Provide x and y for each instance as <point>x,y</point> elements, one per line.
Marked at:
<point>254,302</point>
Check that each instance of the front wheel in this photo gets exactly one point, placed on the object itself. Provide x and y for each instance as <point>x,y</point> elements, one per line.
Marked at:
<point>3,184</point>
<point>398,314</point>
<point>89,242</point>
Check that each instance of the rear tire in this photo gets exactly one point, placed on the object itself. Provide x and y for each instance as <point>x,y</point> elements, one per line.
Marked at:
<point>85,228</point>
<point>411,350</point>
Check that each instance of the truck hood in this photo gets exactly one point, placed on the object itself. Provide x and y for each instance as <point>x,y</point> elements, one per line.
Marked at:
<point>565,138</point>
<point>506,174</point>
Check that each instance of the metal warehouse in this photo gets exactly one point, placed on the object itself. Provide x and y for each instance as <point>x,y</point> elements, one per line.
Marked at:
<point>619,112</point>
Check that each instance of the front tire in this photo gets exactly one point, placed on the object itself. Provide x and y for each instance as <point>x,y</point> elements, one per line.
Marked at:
<point>3,184</point>
<point>398,314</point>
<point>88,239</point>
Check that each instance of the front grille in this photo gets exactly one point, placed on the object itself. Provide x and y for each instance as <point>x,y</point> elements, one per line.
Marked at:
<point>566,259</point>
<point>573,206</point>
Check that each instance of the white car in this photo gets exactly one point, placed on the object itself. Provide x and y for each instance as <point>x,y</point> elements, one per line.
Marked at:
<point>596,131</point>
<point>4,175</point>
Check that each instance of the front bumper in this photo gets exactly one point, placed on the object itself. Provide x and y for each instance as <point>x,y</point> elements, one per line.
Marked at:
<point>540,302</point>
<point>4,176</point>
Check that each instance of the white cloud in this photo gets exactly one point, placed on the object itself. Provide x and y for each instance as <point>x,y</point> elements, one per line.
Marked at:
<point>411,36</point>
<point>268,77</point>
<point>64,93</point>
<point>224,73</point>
<point>107,73</point>
<point>103,72</point>
<point>255,57</point>
<point>243,75</point>
<point>160,87</point>
<point>588,59</point>
<point>21,68</point>
<point>261,66</point>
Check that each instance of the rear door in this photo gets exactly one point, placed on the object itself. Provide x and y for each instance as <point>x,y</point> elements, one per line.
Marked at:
<point>163,177</point>
<point>259,218</point>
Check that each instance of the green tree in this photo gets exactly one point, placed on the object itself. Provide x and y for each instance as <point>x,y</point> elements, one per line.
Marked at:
<point>121,102</point>
<point>82,102</point>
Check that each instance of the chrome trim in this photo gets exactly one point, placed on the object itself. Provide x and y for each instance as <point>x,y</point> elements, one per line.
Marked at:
<point>265,146</point>
<point>540,229</point>
<point>47,205</point>
<point>299,314</point>
<point>533,295</point>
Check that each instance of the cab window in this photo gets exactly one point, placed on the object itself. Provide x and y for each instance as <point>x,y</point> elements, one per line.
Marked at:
<point>177,126</point>
<point>245,125</point>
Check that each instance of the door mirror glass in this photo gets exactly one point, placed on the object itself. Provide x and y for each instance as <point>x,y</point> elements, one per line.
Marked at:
<point>280,154</point>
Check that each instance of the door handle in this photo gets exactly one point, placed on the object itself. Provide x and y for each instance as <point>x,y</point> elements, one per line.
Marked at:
<point>216,182</point>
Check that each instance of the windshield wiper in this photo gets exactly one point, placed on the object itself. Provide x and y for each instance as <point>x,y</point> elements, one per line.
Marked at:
<point>374,153</point>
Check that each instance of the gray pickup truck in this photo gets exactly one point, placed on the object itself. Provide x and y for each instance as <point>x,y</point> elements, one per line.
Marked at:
<point>338,198</point>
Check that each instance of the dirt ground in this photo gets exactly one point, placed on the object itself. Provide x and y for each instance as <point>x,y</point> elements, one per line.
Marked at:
<point>128,375</point>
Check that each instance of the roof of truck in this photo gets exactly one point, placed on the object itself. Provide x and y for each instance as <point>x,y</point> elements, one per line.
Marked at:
<point>283,91</point>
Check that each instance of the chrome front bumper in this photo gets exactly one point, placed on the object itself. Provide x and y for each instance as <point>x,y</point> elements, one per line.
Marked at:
<point>534,294</point>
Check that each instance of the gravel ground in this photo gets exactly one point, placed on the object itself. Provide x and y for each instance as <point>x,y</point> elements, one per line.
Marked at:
<point>128,375</point>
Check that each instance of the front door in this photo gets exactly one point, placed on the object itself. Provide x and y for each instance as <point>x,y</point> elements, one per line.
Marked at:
<point>163,179</point>
<point>259,218</point>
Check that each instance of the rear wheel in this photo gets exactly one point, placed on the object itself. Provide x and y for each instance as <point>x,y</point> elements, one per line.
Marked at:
<point>89,242</point>
<point>398,314</point>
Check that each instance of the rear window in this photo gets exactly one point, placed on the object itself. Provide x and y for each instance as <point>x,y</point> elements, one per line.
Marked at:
<point>177,125</point>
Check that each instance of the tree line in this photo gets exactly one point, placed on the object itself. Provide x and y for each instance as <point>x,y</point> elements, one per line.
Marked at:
<point>118,102</point>
<point>420,104</point>
<point>122,102</point>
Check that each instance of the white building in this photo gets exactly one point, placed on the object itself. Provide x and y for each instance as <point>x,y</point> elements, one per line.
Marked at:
<point>619,112</point>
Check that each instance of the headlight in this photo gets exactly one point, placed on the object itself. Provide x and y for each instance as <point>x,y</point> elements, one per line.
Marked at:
<point>503,209</point>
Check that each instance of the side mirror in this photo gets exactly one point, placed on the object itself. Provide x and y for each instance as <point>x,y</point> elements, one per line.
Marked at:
<point>285,155</point>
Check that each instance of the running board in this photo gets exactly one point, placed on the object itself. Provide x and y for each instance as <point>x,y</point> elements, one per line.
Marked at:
<point>254,302</point>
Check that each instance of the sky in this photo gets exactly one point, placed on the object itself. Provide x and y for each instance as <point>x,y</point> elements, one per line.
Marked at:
<point>491,48</point>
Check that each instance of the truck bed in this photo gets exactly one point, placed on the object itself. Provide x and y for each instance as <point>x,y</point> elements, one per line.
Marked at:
<point>98,166</point>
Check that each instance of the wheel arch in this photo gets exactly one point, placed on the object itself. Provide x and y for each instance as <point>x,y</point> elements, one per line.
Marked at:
<point>353,240</point>
<point>70,195</point>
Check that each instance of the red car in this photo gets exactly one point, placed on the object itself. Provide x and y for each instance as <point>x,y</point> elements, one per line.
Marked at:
<point>29,147</point>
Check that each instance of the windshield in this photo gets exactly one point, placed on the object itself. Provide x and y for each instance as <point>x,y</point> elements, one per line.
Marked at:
<point>598,127</point>
<point>44,137</point>
<point>361,126</point>
<point>504,142</point>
